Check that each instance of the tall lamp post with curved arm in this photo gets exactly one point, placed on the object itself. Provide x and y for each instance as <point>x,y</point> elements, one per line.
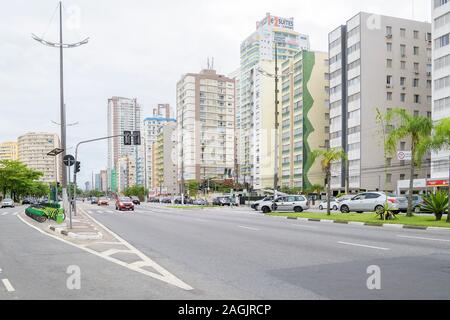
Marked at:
<point>61,45</point>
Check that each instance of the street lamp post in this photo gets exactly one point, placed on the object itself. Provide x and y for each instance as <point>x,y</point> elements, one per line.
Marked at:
<point>61,45</point>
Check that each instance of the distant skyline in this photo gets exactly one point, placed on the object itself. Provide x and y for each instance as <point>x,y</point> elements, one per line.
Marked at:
<point>138,49</point>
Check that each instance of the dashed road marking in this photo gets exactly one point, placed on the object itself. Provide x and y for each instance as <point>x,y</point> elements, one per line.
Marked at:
<point>8,285</point>
<point>248,228</point>
<point>422,238</point>
<point>5,213</point>
<point>363,246</point>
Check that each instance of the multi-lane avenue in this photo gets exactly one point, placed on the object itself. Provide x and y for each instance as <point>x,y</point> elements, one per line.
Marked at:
<point>230,253</point>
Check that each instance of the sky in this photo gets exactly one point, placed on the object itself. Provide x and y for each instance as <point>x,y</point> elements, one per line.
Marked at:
<point>138,49</point>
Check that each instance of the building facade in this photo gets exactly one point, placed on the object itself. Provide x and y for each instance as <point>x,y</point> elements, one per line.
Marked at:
<point>9,151</point>
<point>205,126</point>
<point>152,126</point>
<point>126,173</point>
<point>123,115</point>
<point>32,151</point>
<point>441,78</point>
<point>304,119</point>
<point>165,179</point>
<point>256,156</point>
<point>375,62</point>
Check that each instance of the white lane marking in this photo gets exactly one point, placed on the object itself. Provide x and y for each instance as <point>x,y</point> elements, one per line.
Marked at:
<point>421,238</point>
<point>4,214</point>
<point>8,285</point>
<point>248,228</point>
<point>109,211</point>
<point>15,213</point>
<point>303,226</point>
<point>99,211</point>
<point>363,245</point>
<point>90,211</point>
<point>164,275</point>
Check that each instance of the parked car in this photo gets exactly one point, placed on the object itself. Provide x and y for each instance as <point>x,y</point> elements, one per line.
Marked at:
<point>167,200</point>
<point>256,204</point>
<point>7,203</point>
<point>94,200</point>
<point>222,201</point>
<point>401,201</point>
<point>103,202</point>
<point>372,202</point>
<point>200,202</point>
<point>288,203</point>
<point>136,200</point>
<point>334,204</point>
<point>27,201</point>
<point>417,203</point>
<point>186,200</point>
<point>124,203</point>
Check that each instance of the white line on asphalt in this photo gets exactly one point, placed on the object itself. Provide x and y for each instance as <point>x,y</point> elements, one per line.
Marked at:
<point>15,213</point>
<point>99,211</point>
<point>303,226</point>
<point>363,245</point>
<point>4,214</point>
<point>8,285</point>
<point>90,211</point>
<point>163,275</point>
<point>248,228</point>
<point>421,238</point>
<point>110,211</point>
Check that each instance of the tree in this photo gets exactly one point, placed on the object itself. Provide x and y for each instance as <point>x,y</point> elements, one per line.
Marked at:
<point>328,157</point>
<point>16,179</point>
<point>136,191</point>
<point>439,140</point>
<point>418,129</point>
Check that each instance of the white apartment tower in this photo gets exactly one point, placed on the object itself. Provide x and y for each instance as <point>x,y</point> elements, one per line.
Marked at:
<point>205,126</point>
<point>123,115</point>
<point>441,78</point>
<point>375,62</point>
<point>32,151</point>
<point>256,108</point>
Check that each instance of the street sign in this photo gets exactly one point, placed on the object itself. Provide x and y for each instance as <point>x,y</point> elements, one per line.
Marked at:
<point>404,155</point>
<point>69,160</point>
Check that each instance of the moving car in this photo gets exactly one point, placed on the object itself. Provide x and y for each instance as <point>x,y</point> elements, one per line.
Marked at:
<point>136,200</point>
<point>257,204</point>
<point>286,204</point>
<point>7,203</point>
<point>103,202</point>
<point>372,202</point>
<point>222,201</point>
<point>124,203</point>
<point>94,200</point>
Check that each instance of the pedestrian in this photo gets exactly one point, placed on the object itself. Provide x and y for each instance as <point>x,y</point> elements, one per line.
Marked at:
<point>237,201</point>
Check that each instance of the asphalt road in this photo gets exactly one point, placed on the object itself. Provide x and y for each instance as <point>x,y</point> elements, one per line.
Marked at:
<point>230,254</point>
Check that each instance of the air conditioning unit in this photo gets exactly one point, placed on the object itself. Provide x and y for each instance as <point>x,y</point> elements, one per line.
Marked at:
<point>389,36</point>
<point>388,86</point>
<point>428,74</point>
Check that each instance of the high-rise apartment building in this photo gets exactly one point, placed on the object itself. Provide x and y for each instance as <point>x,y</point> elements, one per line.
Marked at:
<point>441,78</point>
<point>151,127</point>
<point>165,171</point>
<point>256,155</point>
<point>126,173</point>
<point>104,180</point>
<point>205,126</point>
<point>375,62</point>
<point>32,151</point>
<point>304,118</point>
<point>123,115</point>
<point>8,150</point>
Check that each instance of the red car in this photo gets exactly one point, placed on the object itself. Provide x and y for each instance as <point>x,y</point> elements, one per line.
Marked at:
<point>103,202</point>
<point>124,203</point>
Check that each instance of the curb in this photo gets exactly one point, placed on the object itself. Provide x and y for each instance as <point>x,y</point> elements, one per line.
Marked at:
<point>370,224</point>
<point>78,236</point>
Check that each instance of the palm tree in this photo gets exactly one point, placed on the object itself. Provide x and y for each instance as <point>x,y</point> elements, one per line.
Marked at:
<point>418,129</point>
<point>441,139</point>
<point>328,157</point>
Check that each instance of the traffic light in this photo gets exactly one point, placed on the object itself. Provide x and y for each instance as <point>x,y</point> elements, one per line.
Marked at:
<point>127,138</point>
<point>137,138</point>
<point>77,166</point>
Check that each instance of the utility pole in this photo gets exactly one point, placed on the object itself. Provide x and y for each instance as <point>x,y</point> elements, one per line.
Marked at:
<point>275,178</point>
<point>62,46</point>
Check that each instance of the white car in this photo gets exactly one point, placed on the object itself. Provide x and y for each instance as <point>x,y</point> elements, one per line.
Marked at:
<point>334,205</point>
<point>285,204</point>
<point>370,202</point>
<point>7,203</point>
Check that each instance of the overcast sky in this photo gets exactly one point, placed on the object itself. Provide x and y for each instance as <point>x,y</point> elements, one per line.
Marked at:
<point>138,49</point>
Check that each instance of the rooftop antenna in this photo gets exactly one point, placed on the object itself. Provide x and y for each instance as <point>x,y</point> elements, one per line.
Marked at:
<point>212,64</point>
<point>207,67</point>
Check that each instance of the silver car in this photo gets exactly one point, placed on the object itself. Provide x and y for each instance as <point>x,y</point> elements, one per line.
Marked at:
<point>286,204</point>
<point>7,203</point>
<point>371,202</point>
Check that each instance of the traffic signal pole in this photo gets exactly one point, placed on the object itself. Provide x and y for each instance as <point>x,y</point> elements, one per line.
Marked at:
<point>136,141</point>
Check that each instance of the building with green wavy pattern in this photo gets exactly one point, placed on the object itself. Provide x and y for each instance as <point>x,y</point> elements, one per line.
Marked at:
<point>304,118</point>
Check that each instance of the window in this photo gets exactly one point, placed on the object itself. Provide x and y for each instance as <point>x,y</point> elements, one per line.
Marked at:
<point>416,51</point>
<point>389,47</point>
<point>416,83</point>
<point>442,83</point>
<point>416,34</point>
<point>442,20</point>
<point>403,50</point>
<point>442,62</point>
<point>389,31</point>
<point>389,96</point>
<point>442,41</point>
<point>416,66</point>
<point>402,81</point>
<point>403,65</point>
<point>402,97</point>
<point>416,98</point>
<point>389,80</point>
<point>402,32</point>
<point>438,3</point>
<point>389,63</point>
